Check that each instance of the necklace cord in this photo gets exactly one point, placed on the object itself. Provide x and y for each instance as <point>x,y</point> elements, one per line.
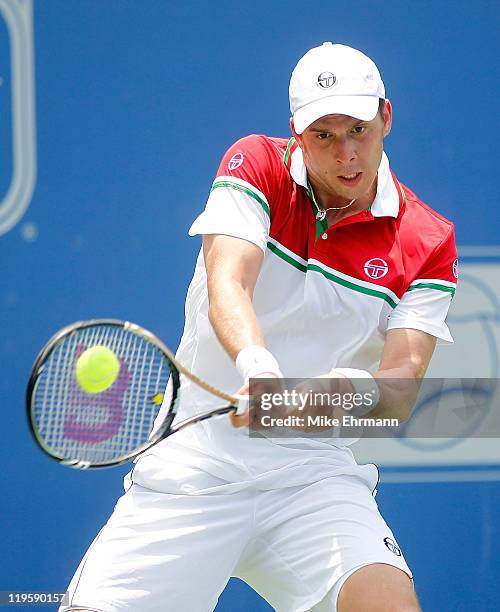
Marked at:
<point>321,214</point>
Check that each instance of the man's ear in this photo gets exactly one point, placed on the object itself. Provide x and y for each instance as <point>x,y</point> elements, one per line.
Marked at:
<point>387,116</point>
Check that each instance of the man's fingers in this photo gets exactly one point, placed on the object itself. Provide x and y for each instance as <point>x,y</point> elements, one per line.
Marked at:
<point>241,420</point>
<point>262,383</point>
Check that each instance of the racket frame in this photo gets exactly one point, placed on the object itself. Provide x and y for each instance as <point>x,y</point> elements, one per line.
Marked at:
<point>236,404</point>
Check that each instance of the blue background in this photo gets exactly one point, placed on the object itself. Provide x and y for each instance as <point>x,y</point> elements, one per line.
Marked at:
<point>136,102</point>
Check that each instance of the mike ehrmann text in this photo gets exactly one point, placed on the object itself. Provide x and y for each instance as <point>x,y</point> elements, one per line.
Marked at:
<point>348,420</point>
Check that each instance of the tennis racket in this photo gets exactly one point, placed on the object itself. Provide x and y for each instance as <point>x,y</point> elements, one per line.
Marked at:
<point>93,430</point>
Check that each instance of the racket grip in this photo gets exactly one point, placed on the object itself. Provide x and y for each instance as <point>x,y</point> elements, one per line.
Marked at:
<point>243,404</point>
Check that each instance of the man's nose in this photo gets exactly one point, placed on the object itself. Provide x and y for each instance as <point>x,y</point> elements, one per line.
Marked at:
<point>345,152</point>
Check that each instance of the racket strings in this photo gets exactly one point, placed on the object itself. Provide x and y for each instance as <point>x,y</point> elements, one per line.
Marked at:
<point>99,427</point>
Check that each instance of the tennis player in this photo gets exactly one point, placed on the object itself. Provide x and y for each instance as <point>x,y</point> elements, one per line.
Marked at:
<point>316,262</point>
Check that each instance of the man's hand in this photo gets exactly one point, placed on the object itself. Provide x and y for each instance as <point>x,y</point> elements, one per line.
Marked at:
<point>310,390</point>
<point>319,392</point>
<point>251,418</point>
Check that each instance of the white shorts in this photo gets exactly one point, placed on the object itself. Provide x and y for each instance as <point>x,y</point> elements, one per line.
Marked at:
<point>164,552</point>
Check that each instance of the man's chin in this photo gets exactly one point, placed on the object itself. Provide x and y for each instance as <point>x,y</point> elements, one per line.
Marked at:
<point>355,192</point>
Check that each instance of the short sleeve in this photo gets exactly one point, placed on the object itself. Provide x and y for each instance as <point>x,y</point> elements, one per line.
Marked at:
<point>239,200</point>
<point>426,302</point>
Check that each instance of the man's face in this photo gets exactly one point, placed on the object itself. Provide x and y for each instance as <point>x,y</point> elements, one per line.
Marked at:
<point>342,154</point>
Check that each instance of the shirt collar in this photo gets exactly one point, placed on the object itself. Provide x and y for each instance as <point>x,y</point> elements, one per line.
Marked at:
<point>389,193</point>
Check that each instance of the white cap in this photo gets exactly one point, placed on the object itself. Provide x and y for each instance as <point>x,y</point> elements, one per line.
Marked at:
<point>334,80</point>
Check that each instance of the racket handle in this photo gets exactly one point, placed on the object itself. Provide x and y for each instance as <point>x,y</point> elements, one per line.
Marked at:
<point>243,404</point>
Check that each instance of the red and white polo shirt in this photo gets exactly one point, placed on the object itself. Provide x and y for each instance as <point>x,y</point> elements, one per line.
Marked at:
<point>325,296</point>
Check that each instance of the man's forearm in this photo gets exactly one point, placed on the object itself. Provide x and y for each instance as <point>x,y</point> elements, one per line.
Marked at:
<point>233,318</point>
<point>399,389</point>
<point>394,392</point>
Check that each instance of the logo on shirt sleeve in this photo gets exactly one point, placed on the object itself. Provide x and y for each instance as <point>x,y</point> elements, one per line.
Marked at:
<point>455,268</point>
<point>235,161</point>
<point>376,268</point>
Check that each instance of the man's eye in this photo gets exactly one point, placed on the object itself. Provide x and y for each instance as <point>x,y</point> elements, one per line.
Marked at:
<point>358,129</point>
<point>324,135</point>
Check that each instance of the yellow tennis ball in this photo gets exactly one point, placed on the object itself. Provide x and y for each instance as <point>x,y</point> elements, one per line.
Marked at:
<point>97,369</point>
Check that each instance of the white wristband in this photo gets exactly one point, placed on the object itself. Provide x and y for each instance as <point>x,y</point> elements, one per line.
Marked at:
<point>364,383</point>
<point>253,360</point>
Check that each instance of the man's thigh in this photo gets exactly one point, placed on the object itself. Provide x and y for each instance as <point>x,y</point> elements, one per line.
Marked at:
<point>160,551</point>
<point>310,537</point>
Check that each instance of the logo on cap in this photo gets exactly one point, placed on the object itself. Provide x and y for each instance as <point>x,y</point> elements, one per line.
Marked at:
<point>326,80</point>
<point>376,268</point>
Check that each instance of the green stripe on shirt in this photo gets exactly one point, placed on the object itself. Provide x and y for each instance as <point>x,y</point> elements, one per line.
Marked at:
<point>433,286</point>
<point>349,285</point>
<point>296,264</point>
<point>246,190</point>
<point>332,277</point>
<point>288,149</point>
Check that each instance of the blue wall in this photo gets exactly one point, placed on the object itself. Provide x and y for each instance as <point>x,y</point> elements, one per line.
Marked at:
<point>135,104</point>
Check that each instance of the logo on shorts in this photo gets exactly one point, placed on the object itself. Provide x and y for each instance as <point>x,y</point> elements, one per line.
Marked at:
<point>455,268</point>
<point>392,546</point>
<point>376,268</point>
<point>235,161</point>
<point>326,80</point>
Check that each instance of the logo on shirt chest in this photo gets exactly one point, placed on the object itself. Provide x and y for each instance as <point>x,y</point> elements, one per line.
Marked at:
<point>376,268</point>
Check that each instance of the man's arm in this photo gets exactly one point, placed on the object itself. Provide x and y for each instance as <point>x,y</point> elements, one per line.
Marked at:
<point>405,358</point>
<point>233,266</point>
<point>404,361</point>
